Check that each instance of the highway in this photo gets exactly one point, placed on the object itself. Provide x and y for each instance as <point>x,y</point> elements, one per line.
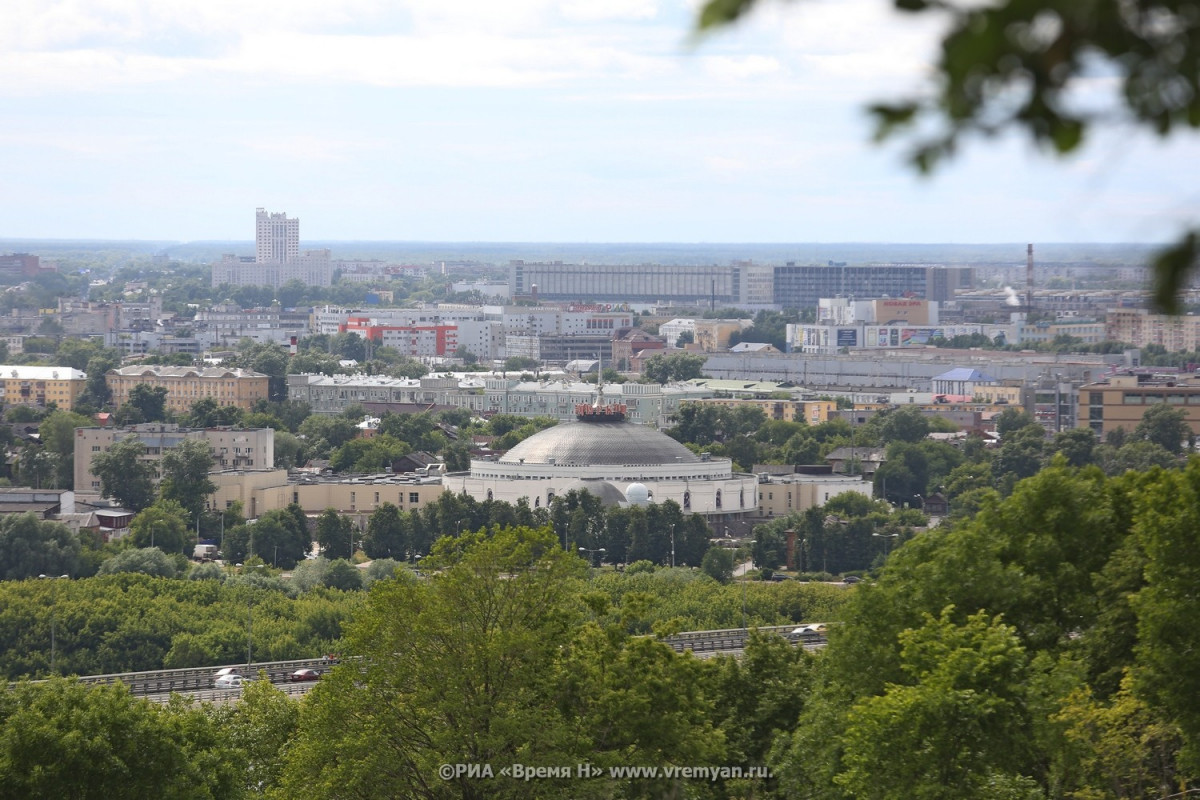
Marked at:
<point>197,682</point>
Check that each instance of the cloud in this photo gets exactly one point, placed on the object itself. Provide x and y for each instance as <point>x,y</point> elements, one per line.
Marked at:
<point>738,68</point>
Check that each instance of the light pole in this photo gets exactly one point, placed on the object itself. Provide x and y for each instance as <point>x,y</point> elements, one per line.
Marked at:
<point>53,615</point>
<point>672,545</point>
<point>250,622</point>
<point>591,553</point>
<point>887,545</point>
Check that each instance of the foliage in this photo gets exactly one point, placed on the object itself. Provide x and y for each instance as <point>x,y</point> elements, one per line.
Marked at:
<point>150,402</point>
<point>145,560</point>
<point>163,525</point>
<point>673,368</point>
<point>185,480</point>
<point>335,534</point>
<point>30,546</point>
<point>63,739</point>
<point>718,564</point>
<point>124,474</point>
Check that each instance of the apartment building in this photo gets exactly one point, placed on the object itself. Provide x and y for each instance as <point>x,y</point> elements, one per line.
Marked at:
<point>1139,327</point>
<point>232,448</point>
<point>185,385</point>
<point>39,386</point>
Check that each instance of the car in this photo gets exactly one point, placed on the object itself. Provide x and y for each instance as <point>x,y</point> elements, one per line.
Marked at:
<point>228,681</point>
<point>303,676</point>
<point>805,633</point>
<point>851,579</point>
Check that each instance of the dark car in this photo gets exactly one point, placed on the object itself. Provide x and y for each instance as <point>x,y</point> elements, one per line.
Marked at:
<point>303,676</point>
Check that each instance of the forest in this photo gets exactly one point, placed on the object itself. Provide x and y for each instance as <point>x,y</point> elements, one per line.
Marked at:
<point>1039,649</point>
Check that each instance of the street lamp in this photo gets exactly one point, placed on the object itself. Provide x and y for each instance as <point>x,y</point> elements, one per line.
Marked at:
<point>250,621</point>
<point>887,545</point>
<point>53,614</point>
<point>672,545</point>
<point>592,553</point>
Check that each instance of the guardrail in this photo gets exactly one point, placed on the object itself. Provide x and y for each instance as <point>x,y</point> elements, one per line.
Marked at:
<point>198,678</point>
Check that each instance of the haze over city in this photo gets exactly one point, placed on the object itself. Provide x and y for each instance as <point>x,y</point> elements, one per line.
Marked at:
<point>526,121</point>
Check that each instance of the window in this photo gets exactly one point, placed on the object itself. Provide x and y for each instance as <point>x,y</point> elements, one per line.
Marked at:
<point>377,498</point>
<point>95,448</point>
<point>413,497</point>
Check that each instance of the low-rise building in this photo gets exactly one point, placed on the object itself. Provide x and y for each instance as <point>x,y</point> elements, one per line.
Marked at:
<point>1120,401</point>
<point>185,385</point>
<point>813,412</point>
<point>244,448</point>
<point>39,386</point>
<point>780,495</point>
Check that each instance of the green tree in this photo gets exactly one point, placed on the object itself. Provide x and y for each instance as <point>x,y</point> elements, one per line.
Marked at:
<point>334,534</point>
<point>163,525</point>
<point>678,367</point>
<point>30,547</point>
<point>1077,446</point>
<point>64,739</point>
<point>150,402</point>
<point>718,564</point>
<point>125,475</point>
<point>341,574</point>
<point>957,725</point>
<point>387,534</point>
<point>1164,426</point>
<point>146,560</point>
<point>57,433</point>
<point>185,480</point>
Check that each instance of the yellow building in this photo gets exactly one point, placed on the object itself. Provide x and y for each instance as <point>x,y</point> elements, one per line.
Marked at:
<point>260,491</point>
<point>814,412</point>
<point>1120,401</point>
<point>185,385</point>
<point>40,386</point>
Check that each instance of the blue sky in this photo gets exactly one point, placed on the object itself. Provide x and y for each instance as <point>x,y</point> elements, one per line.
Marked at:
<point>523,120</point>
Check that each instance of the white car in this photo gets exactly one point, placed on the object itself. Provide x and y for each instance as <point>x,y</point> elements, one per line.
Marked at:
<point>228,681</point>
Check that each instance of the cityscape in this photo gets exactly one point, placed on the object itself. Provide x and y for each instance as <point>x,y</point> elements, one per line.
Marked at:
<point>640,399</point>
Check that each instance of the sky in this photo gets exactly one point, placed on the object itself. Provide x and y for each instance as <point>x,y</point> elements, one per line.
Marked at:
<point>522,120</point>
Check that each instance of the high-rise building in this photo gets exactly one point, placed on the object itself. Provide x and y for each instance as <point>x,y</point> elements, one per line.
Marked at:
<point>276,237</point>
<point>277,258</point>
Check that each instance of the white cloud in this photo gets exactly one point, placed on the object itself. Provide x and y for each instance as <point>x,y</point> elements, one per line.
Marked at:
<point>738,68</point>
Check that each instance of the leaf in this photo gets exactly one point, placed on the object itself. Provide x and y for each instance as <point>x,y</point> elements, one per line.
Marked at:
<point>722,12</point>
<point>1171,269</point>
<point>1067,135</point>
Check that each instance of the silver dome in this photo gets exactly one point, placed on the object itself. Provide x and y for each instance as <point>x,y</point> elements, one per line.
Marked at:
<point>580,444</point>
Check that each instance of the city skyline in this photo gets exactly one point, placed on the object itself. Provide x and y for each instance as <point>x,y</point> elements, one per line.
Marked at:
<point>535,121</point>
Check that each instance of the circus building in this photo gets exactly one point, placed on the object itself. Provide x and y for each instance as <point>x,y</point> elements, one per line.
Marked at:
<point>620,462</point>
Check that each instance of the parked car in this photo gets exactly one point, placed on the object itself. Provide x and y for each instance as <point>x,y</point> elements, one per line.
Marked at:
<point>303,676</point>
<point>229,681</point>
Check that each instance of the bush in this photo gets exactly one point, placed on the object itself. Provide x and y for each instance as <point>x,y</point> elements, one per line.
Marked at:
<point>146,560</point>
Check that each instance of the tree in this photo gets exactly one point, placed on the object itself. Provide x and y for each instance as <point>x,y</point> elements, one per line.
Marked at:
<point>1013,65</point>
<point>164,525</point>
<point>1077,445</point>
<point>678,367</point>
<point>185,469</point>
<point>125,475</point>
<point>904,424</point>
<point>334,534</point>
<point>341,574</point>
<point>146,560</point>
<point>958,722</point>
<point>30,547</point>
<point>57,433</point>
<point>387,534</point>
<point>66,739</point>
<point>718,564</point>
<point>150,402</point>
<point>1164,426</point>
<point>289,450</point>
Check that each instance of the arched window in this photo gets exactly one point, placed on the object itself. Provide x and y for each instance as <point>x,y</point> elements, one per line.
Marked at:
<point>718,498</point>
<point>537,501</point>
<point>489,494</point>
<point>687,500</point>
<point>742,498</point>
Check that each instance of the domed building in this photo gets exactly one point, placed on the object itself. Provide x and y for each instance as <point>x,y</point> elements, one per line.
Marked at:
<point>620,462</point>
